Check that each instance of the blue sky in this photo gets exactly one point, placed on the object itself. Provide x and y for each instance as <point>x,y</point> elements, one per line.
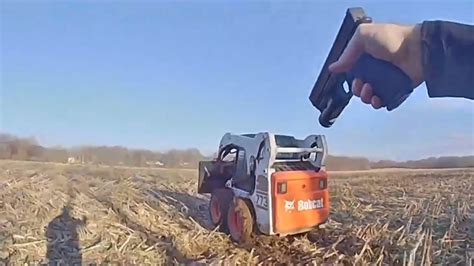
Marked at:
<point>180,74</point>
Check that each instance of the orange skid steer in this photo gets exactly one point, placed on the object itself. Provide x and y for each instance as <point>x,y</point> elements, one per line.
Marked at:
<point>266,184</point>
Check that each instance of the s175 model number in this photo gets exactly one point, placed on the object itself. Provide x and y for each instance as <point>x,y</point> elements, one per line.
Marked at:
<point>262,201</point>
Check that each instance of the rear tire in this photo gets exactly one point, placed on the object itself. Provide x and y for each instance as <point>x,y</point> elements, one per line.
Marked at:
<point>218,206</point>
<point>240,221</point>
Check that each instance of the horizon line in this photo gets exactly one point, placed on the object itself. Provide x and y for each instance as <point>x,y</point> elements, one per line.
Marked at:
<point>69,147</point>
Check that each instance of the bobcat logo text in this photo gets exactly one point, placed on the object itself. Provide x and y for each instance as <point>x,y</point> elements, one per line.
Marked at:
<point>304,205</point>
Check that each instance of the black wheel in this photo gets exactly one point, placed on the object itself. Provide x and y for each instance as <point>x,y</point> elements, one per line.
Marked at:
<point>218,206</point>
<point>240,221</point>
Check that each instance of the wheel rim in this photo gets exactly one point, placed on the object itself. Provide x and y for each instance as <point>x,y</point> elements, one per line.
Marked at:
<point>215,211</point>
<point>235,225</point>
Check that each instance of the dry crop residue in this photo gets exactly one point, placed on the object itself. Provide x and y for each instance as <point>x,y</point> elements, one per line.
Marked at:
<point>95,215</point>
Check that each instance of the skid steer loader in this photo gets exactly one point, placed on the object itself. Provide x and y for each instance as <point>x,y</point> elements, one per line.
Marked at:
<point>266,183</point>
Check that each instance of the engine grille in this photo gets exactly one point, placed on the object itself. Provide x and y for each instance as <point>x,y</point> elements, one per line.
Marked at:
<point>294,166</point>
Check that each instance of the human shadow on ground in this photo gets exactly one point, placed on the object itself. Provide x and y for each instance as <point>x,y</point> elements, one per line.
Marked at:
<point>63,245</point>
<point>6,239</point>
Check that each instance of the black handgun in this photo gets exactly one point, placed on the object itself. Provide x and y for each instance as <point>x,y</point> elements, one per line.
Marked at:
<point>388,82</point>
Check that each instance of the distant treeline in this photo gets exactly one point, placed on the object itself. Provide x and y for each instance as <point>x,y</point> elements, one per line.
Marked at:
<point>342,163</point>
<point>15,148</point>
<point>337,163</point>
<point>12,147</point>
<point>432,162</point>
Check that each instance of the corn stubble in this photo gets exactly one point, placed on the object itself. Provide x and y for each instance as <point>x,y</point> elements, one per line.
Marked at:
<point>105,215</point>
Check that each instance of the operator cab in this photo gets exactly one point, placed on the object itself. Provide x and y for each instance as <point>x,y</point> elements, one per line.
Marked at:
<point>239,156</point>
<point>293,154</point>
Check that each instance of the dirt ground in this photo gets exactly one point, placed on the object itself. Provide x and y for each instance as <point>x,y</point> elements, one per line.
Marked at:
<point>104,215</point>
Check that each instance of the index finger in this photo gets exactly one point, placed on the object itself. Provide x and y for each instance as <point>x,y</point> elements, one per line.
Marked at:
<point>349,56</point>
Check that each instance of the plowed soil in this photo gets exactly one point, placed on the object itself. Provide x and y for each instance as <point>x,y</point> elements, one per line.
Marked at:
<point>108,215</point>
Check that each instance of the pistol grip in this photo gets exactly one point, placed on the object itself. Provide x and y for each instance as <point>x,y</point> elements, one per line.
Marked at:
<point>388,81</point>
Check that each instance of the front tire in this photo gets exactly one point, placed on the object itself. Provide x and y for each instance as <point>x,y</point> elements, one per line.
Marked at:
<point>240,221</point>
<point>218,206</point>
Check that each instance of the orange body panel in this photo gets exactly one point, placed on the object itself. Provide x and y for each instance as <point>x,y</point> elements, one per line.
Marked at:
<point>304,205</point>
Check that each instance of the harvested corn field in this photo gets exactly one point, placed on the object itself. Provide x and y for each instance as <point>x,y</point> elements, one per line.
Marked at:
<point>93,215</point>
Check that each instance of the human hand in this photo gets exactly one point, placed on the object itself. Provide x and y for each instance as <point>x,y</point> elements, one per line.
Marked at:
<point>397,44</point>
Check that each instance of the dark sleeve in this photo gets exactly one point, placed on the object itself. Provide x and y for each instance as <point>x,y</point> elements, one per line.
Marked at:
<point>448,58</point>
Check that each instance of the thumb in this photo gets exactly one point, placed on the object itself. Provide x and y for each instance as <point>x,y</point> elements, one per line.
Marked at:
<point>350,55</point>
